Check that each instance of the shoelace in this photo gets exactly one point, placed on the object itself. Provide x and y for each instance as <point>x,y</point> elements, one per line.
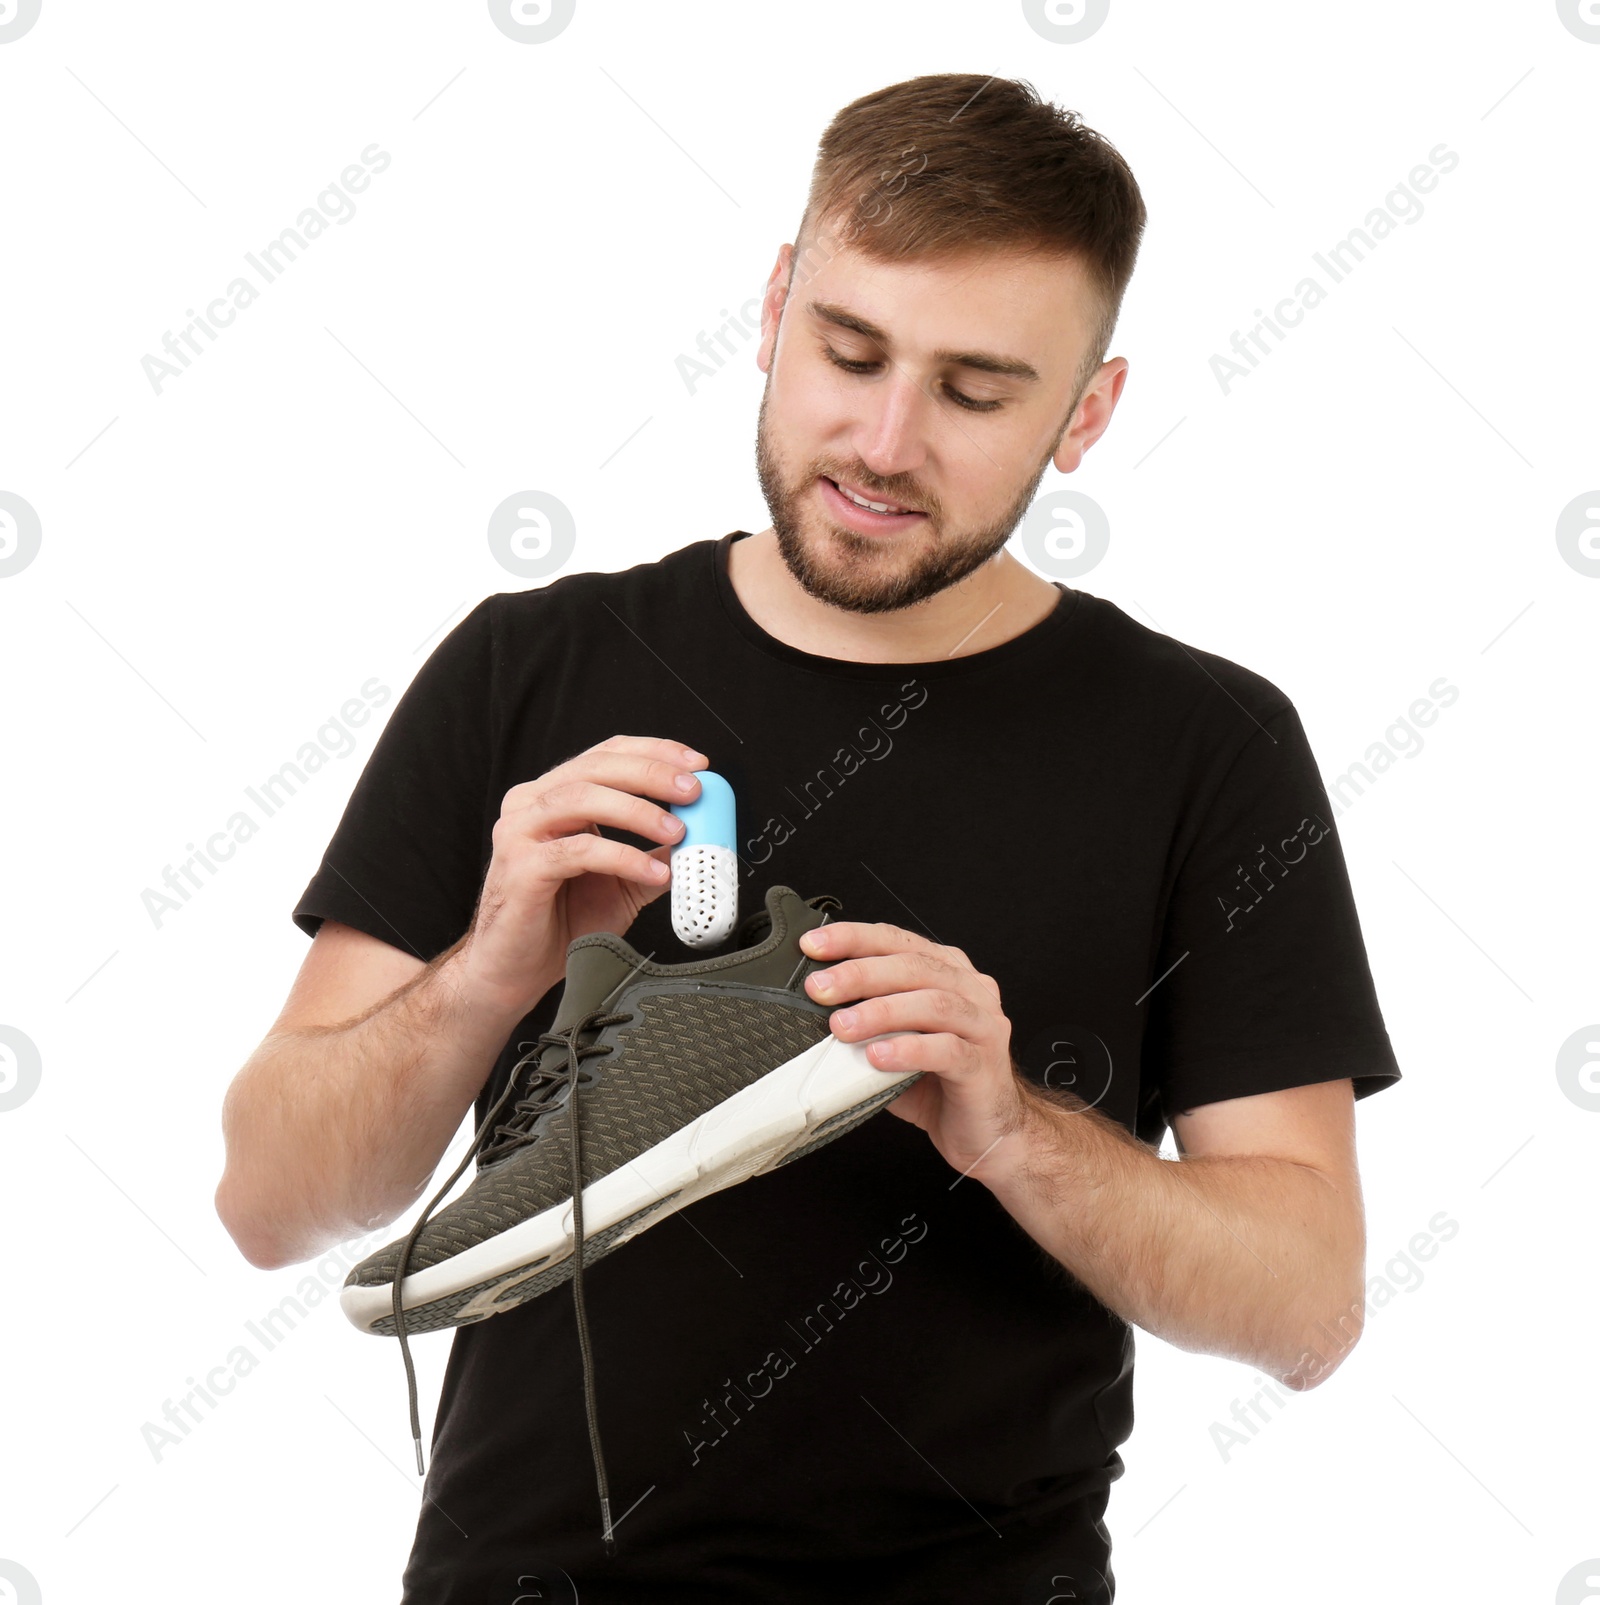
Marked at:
<point>538,1096</point>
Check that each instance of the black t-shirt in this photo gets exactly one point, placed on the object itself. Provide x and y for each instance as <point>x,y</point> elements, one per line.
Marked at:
<point>858,1376</point>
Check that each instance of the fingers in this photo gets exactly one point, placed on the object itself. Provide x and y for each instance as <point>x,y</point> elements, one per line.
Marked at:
<point>567,857</point>
<point>648,749</point>
<point>941,1052</point>
<point>642,765</point>
<point>576,805</point>
<point>920,1009</point>
<point>874,974</point>
<point>652,884</point>
<point>653,745</point>
<point>616,784</point>
<point>861,936</point>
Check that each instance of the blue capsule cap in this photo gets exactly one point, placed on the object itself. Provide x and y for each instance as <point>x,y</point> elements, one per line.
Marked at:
<point>709,819</point>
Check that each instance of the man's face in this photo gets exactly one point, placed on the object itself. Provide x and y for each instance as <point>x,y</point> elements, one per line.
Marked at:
<point>931,416</point>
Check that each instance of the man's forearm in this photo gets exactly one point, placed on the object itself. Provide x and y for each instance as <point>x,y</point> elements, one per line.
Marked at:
<point>336,1130</point>
<point>1239,1256</point>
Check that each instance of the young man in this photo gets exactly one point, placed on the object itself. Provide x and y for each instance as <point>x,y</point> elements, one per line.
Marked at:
<point>1086,873</point>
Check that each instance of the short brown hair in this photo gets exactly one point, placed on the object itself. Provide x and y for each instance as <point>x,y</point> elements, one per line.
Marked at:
<point>953,162</point>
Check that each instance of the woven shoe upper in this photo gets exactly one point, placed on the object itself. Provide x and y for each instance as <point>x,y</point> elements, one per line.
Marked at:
<point>696,1034</point>
<point>690,1052</point>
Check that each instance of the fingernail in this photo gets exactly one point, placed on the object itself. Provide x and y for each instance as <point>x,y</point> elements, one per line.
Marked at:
<point>846,1018</point>
<point>698,759</point>
<point>686,783</point>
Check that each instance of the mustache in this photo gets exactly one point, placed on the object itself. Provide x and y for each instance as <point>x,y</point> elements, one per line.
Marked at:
<point>910,496</point>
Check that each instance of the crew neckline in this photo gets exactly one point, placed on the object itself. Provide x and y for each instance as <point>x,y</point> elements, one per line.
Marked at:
<point>1048,629</point>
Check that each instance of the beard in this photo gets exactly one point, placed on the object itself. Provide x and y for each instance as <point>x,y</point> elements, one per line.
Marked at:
<point>874,573</point>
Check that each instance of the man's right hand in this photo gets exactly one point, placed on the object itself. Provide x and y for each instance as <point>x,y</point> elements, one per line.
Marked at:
<point>553,877</point>
<point>339,1118</point>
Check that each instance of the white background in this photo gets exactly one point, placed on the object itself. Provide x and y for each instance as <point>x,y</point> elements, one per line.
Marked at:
<point>224,564</point>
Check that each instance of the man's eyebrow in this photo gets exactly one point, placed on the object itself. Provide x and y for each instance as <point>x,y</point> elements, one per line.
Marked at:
<point>983,361</point>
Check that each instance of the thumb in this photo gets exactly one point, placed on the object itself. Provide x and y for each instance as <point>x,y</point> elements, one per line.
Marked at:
<point>662,855</point>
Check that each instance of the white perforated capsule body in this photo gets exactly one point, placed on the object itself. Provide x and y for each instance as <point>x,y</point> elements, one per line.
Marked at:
<point>705,893</point>
<point>705,866</point>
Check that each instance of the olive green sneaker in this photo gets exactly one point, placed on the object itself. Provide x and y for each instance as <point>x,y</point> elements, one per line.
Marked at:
<point>659,1084</point>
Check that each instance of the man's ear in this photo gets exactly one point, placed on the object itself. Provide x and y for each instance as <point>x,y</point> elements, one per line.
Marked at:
<point>772,302</point>
<point>1093,415</point>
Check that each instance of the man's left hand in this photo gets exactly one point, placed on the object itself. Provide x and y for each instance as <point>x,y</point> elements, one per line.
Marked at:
<point>971,1098</point>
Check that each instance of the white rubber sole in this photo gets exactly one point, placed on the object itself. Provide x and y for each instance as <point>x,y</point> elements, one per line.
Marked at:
<point>752,1132</point>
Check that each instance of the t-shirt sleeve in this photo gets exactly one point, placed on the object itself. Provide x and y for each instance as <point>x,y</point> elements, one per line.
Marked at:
<point>1262,980</point>
<point>408,857</point>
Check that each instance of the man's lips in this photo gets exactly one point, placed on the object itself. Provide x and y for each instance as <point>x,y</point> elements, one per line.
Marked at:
<point>862,518</point>
<point>887,502</point>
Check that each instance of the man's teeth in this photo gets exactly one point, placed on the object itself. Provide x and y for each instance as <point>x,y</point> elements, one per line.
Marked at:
<point>861,501</point>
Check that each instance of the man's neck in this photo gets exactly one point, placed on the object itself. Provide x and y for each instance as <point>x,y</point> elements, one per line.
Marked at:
<point>998,600</point>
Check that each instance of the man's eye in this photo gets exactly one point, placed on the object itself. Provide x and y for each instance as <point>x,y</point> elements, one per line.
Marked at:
<point>851,366</point>
<point>846,363</point>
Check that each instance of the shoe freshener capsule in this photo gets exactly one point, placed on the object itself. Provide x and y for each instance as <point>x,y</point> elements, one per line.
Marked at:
<point>705,865</point>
